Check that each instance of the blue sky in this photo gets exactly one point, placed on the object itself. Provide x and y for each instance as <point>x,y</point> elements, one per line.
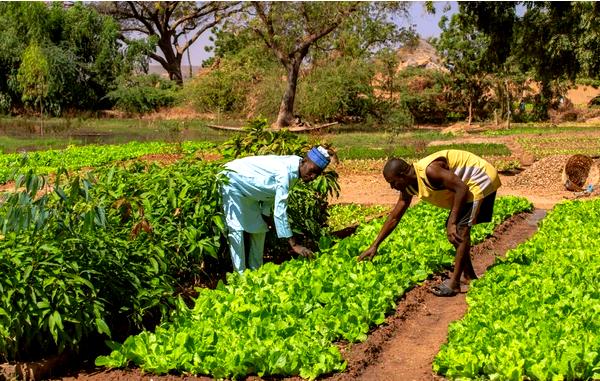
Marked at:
<point>426,26</point>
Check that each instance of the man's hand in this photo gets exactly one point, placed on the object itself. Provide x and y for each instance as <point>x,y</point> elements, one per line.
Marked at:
<point>303,251</point>
<point>453,236</point>
<point>368,254</point>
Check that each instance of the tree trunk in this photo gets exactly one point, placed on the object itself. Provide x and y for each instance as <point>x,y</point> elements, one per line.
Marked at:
<point>172,58</point>
<point>286,108</point>
<point>190,63</point>
<point>174,70</point>
<point>508,105</point>
<point>470,112</point>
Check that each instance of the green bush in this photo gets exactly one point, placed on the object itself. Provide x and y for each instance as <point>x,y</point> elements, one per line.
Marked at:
<point>5,103</point>
<point>220,90</point>
<point>424,93</point>
<point>102,254</point>
<point>337,90</point>
<point>265,96</point>
<point>76,56</point>
<point>143,94</point>
<point>235,81</point>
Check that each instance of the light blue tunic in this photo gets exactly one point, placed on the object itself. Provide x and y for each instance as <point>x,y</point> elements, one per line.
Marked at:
<point>258,184</point>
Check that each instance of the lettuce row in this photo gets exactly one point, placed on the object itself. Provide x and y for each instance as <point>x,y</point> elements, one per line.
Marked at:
<point>284,320</point>
<point>75,157</point>
<point>536,315</point>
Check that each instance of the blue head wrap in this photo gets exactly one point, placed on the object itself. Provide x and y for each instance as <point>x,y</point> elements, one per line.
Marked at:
<point>319,156</point>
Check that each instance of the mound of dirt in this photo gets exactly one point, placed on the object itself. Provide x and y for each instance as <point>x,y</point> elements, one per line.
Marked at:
<point>422,55</point>
<point>547,174</point>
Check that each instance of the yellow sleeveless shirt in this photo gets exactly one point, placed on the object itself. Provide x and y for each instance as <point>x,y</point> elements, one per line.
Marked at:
<point>480,176</point>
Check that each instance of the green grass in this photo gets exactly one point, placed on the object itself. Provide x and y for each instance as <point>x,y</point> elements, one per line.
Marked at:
<point>345,137</point>
<point>533,128</point>
<point>542,147</point>
<point>10,144</point>
<point>353,141</point>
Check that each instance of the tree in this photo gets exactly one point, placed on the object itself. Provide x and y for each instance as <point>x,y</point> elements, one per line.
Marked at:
<point>554,41</point>
<point>291,29</point>
<point>463,49</point>
<point>166,23</point>
<point>33,76</point>
<point>78,45</point>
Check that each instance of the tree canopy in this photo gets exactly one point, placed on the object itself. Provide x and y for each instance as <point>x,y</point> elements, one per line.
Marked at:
<point>171,26</point>
<point>293,31</point>
<point>553,41</point>
<point>74,50</point>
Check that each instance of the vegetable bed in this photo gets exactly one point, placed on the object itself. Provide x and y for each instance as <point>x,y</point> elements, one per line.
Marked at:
<point>536,315</point>
<point>285,320</point>
<point>75,157</point>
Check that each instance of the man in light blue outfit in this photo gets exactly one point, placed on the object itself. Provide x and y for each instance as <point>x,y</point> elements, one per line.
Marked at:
<point>257,185</point>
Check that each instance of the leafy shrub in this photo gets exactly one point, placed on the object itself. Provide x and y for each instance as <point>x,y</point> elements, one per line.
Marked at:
<point>220,90</point>
<point>102,254</point>
<point>424,93</point>
<point>144,93</point>
<point>337,90</point>
<point>265,95</point>
<point>58,58</point>
<point>5,103</point>
<point>398,118</point>
<point>237,80</point>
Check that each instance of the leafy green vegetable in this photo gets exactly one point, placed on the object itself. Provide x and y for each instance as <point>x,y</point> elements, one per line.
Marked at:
<point>284,319</point>
<point>75,157</point>
<point>344,215</point>
<point>535,315</point>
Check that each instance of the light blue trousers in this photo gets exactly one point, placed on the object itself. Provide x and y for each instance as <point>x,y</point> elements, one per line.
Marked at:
<point>238,251</point>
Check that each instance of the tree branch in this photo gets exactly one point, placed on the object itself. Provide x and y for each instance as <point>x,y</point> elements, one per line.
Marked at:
<point>158,59</point>
<point>310,39</point>
<point>269,38</point>
<point>140,18</point>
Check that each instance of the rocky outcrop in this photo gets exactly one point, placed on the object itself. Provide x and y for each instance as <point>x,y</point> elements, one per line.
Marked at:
<point>421,55</point>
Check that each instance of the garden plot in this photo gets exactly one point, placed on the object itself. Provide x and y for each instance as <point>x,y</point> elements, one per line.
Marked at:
<point>284,320</point>
<point>536,315</point>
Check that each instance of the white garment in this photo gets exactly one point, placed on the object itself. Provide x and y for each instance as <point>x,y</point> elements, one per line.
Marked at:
<point>258,184</point>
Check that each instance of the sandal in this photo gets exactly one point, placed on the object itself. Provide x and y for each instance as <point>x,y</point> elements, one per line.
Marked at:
<point>443,290</point>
